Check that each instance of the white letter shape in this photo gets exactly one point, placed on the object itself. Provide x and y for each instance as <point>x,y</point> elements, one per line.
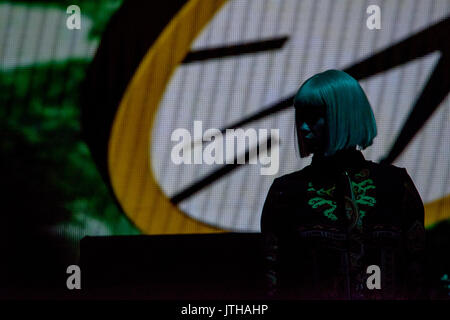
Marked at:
<point>74,20</point>
<point>181,152</point>
<point>374,20</point>
<point>374,280</point>
<point>74,280</point>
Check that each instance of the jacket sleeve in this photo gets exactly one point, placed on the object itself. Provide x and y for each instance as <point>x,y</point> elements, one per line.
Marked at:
<point>271,232</point>
<point>414,240</point>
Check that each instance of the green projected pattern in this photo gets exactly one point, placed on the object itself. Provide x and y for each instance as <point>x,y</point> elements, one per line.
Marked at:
<point>53,185</point>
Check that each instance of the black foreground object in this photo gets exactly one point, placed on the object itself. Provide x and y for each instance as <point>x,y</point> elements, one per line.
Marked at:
<point>194,266</point>
<point>204,266</point>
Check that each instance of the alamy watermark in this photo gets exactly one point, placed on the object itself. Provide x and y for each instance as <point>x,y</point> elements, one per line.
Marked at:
<point>74,279</point>
<point>190,149</point>
<point>74,20</point>
<point>374,19</point>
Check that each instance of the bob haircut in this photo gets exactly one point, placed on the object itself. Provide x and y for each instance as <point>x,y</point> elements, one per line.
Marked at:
<point>348,115</point>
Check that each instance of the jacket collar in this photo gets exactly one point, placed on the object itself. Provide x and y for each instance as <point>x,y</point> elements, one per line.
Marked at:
<point>342,159</point>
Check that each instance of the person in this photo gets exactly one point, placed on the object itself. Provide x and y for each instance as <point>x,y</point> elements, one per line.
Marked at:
<point>342,227</point>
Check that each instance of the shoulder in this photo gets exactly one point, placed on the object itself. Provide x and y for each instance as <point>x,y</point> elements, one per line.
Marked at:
<point>290,186</point>
<point>389,171</point>
<point>284,194</point>
<point>392,181</point>
<point>296,177</point>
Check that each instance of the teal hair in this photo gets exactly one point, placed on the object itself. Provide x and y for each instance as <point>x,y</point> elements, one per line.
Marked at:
<point>349,117</point>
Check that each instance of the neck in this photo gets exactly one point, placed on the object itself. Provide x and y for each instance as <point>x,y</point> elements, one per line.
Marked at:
<point>346,158</point>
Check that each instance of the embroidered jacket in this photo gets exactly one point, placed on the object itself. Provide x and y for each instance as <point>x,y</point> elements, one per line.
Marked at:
<point>329,227</point>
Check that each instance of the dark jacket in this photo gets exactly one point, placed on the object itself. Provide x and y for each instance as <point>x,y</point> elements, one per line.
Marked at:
<point>322,235</point>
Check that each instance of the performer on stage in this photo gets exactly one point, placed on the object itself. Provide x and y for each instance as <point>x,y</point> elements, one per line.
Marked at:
<point>343,227</point>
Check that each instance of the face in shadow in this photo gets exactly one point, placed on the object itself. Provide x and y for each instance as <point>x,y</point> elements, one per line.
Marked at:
<point>311,130</point>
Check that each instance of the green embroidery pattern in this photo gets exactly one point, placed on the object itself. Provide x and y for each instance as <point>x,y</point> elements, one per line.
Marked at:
<point>362,199</point>
<point>323,200</point>
<point>319,201</point>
